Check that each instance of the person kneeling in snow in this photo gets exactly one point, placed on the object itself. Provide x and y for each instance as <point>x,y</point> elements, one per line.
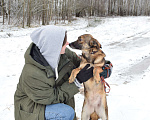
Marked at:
<point>43,91</point>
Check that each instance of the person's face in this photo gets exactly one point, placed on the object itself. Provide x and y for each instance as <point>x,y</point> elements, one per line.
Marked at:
<point>63,48</point>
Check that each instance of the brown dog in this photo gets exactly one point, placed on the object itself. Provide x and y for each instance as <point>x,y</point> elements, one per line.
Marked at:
<point>95,104</point>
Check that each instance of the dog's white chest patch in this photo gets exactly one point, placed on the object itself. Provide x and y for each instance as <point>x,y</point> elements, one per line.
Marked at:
<point>94,100</point>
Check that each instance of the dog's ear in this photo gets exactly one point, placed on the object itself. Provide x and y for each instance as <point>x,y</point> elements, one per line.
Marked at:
<point>95,43</point>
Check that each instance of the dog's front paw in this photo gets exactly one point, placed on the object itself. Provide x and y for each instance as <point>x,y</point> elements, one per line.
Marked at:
<point>96,75</point>
<point>71,79</point>
<point>73,75</point>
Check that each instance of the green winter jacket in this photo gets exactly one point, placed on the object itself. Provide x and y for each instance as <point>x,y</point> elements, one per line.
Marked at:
<point>37,86</point>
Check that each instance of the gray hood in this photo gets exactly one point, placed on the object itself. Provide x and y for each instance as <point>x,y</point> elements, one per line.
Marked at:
<point>49,40</point>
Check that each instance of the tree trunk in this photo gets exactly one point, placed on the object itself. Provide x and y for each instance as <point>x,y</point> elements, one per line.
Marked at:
<point>51,9</point>
<point>146,7</point>
<point>63,10</point>
<point>91,8</point>
<point>29,14</point>
<point>3,11</point>
<point>56,12</point>
<point>120,7</point>
<point>134,9</point>
<point>23,14</point>
<point>98,9</point>
<point>9,12</point>
<point>69,11</point>
<point>43,12</point>
<point>109,7</point>
<point>47,13</point>
<point>129,4</point>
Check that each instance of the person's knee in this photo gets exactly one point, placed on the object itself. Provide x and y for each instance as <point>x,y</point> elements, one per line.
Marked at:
<point>72,113</point>
<point>69,113</point>
<point>59,111</point>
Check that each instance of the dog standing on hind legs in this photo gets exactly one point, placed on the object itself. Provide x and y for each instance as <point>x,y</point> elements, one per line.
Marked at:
<point>95,103</point>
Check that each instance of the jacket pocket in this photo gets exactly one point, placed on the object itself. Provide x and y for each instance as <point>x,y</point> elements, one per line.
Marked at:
<point>27,116</point>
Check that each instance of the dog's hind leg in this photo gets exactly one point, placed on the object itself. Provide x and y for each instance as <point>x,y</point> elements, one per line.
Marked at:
<point>102,113</point>
<point>104,102</point>
<point>73,75</point>
<point>106,109</point>
<point>87,110</point>
<point>102,109</point>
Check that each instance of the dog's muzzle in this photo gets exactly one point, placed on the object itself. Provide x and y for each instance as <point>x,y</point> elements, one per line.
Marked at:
<point>75,45</point>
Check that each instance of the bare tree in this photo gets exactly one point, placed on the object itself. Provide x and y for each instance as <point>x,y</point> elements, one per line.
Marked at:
<point>3,11</point>
<point>29,13</point>
<point>9,12</point>
<point>37,12</point>
<point>51,9</point>
<point>109,7</point>
<point>23,14</point>
<point>69,11</point>
<point>146,7</point>
<point>43,12</point>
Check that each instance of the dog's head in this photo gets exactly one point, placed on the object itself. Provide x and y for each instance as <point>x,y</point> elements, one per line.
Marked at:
<point>85,41</point>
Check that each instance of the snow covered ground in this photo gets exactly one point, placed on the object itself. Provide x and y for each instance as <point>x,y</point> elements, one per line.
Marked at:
<point>126,42</point>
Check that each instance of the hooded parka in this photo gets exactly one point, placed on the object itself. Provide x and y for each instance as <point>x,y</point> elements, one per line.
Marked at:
<point>39,87</point>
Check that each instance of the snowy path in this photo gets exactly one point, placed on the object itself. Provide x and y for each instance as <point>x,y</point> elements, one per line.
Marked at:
<point>131,100</point>
<point>126,42</point>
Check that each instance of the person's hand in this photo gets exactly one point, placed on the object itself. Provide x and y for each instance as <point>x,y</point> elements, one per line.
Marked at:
<point>107,70</point>
<point>85,74</point>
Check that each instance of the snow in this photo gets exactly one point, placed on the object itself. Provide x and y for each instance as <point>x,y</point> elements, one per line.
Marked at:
<point>126,43</point>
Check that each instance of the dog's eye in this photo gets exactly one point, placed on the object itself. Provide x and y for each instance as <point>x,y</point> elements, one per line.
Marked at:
<point>79,39</point>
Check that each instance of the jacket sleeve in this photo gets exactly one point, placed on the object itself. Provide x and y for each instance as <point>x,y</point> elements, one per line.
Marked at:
<point>41,91</point>
<point>73,57</point>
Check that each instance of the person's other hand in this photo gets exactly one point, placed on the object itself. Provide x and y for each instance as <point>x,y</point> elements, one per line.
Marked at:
<point>85,74</point>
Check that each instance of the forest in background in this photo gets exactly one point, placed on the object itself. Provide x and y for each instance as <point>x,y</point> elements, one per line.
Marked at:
<point>44,12</point>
